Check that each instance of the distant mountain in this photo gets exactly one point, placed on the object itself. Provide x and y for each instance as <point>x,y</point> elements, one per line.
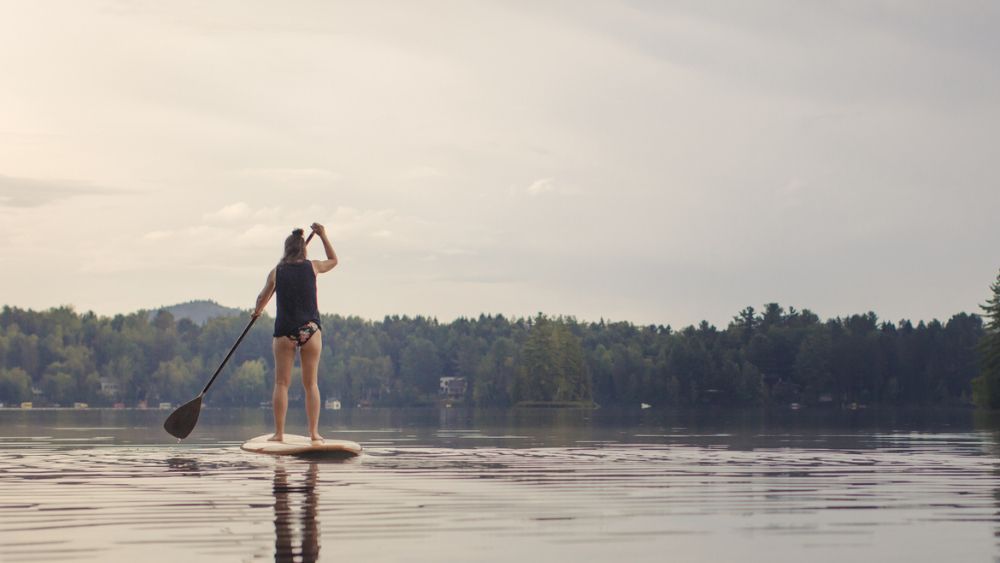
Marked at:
<point>199,312</point>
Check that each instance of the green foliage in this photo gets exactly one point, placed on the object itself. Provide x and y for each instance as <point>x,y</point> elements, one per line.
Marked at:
<point>813,363</point>
<point>59,387</point>
<point>773,356</point>
<point>15,386</point>
<point>554,368</point>
<point>176,380</point>
<point>495,374</point>
<point>420,364</point>
<point>372,377</point>
<point>986,387</point>
<point>248,385</point>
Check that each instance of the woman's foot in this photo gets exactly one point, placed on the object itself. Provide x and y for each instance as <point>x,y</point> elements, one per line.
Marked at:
<point>276,438</point>
<point>317,440</point>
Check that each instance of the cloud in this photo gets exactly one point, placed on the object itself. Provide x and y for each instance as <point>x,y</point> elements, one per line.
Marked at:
<point>231,212</point>
<point>698,137</point>
<point>31,192</point>
<point>240,224</point>
<point>290,176</point>
<point>158,235</point>
<point>422,173</point>
<point>241,211</point>
<point>479,278</point>
<point>348,222</point>
<point>543,186</point>
<point>262,235</point>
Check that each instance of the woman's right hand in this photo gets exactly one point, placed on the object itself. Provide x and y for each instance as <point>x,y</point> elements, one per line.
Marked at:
<point>318,229</point>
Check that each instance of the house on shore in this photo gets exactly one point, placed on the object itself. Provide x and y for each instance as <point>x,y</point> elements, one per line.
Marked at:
<point>452,388</point>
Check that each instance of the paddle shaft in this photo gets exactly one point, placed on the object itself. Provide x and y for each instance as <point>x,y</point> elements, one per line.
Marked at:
<point>240,339</point>
<point>229,355</point>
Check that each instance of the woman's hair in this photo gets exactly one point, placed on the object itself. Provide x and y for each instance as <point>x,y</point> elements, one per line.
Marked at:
<point>295,247</point>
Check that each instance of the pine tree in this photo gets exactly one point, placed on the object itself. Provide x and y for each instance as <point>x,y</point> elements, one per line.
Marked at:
<point>986,387</point>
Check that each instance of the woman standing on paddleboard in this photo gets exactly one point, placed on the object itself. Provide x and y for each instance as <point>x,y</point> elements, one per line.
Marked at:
<point>297,325</point>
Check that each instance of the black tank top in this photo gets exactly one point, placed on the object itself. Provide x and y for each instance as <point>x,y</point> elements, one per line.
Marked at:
<point>295,288</point>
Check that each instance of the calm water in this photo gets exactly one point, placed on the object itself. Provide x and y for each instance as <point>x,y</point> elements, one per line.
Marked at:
<point>456,485</point>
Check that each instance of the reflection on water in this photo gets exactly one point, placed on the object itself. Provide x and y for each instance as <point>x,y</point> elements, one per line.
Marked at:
<point>461,486</point>
<point>288,522</point>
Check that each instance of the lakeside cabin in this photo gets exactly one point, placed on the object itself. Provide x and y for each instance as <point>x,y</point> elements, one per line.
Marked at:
<point>452,387</point>
<point>109,387</point>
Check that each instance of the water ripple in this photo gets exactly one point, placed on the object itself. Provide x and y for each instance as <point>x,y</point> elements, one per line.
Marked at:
<point>901,496</point>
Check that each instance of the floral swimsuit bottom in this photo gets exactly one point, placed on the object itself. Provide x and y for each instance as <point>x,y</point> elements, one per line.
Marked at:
<point>303,334</point>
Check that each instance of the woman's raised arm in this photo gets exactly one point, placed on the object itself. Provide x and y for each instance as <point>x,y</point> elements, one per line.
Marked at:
<point>323,266</point>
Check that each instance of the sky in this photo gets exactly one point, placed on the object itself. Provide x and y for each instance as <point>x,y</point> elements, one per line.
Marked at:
<point>657,162</point>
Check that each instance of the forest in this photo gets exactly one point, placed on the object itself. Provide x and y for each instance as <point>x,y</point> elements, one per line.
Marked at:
<point>774,356</point>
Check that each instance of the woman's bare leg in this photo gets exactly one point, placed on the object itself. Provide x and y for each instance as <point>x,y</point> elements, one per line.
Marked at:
<point>310,369</point>
<point>284,358</point>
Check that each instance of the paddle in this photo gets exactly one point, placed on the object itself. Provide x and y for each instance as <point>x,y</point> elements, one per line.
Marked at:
<point>181,422</point>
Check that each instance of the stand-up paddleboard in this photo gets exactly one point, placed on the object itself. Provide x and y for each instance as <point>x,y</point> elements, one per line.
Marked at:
<point>301,446</point>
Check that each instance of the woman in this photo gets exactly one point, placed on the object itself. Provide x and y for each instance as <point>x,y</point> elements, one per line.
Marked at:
<point>297,325</point>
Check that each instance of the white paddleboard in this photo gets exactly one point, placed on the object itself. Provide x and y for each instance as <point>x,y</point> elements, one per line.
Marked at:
<point>301,446</point>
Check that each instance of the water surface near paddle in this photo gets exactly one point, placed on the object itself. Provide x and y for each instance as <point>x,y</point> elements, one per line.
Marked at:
<point>456,485</point>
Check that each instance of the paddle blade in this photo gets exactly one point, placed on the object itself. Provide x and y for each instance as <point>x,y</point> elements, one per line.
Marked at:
<point>181,422</point>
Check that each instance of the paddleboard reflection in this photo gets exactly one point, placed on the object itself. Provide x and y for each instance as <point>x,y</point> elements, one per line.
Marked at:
<point>295,508</point>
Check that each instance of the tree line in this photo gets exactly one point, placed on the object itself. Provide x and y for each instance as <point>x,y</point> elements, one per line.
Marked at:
<point>986,387</point>
<point>772,356</point>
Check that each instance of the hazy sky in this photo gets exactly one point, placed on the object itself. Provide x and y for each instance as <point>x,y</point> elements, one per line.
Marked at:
<point>659,162</point>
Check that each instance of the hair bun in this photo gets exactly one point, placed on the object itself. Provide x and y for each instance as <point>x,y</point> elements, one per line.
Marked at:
<point>297,232</point>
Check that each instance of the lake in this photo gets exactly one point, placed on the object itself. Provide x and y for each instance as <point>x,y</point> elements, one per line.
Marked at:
<point>519,485</point>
